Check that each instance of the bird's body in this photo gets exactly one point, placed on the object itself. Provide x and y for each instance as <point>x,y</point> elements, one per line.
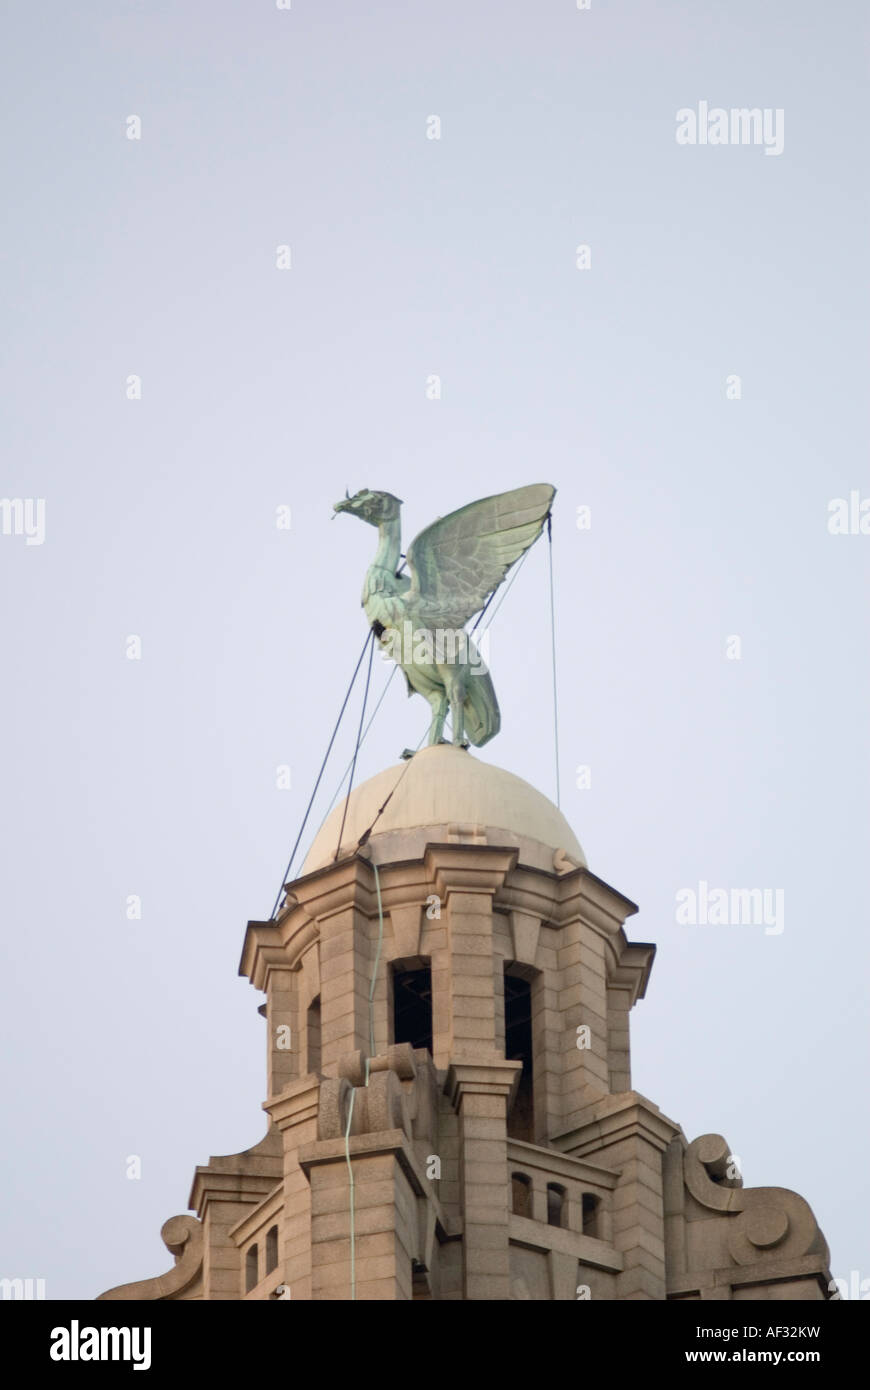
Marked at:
<point>419,618</point>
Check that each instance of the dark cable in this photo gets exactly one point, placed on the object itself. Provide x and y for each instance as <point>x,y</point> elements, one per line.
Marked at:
<point>319,776</point>
<point>358,742</point>
<point>553,643</point>
<point>364,837</point>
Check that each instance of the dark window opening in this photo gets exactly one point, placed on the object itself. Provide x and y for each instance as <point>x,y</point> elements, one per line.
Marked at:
<point>313,1035</point>
<point>271,1249</point>
<point>412,1007</point>
<point>250,1268</point>
<point>590,1214</point>
<point>555,1204</point>
<point>521,1194</point>
<point>518,1048</point>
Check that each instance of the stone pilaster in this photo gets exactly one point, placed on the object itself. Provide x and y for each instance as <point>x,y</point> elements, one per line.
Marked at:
<point>582,1017</point>
<point>466,878</point>
<point>282,1023</point>
<point>345,979</point>
<point>294,1114</point>
<point>385,1218</point>
<point>480,1091</point>
<point>630,1134</point>
<point>619,1003</point>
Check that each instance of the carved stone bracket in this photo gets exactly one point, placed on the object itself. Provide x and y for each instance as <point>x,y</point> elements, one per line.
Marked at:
<point>381,1104</point>
<point>768,1221</point>
<point>182,1236</point>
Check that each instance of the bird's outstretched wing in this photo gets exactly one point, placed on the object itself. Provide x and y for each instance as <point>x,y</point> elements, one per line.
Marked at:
<point>458,561</point>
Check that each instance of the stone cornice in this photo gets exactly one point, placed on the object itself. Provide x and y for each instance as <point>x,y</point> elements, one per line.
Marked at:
<point>531,890</point>
<point>583,894</point>
<point>271,1208</point>
<point>482,1077</point>
<point>282,942</point>
<point>209,1186</point>
<point>296,1103</point>
<point>458,868</point>
<point>385,1141</point>
<point>325,892</point>
<point>264,949</point>
<point>633,968</point>
<point>554,899</point>
<point>555,1163</point>
<point>767,1272</point>
<point>615,1118</point>
<point>243,1177</point>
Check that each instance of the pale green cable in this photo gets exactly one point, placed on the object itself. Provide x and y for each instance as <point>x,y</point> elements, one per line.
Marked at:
<point>375,970</point>
<point>350,1180</point>
<point>353,1089</point>
<point>553,644</point>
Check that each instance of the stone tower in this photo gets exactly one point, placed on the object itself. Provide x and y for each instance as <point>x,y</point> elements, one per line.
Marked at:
<point>449,1082</point>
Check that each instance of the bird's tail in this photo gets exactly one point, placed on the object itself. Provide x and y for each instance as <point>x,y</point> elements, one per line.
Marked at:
<point>482,718</point>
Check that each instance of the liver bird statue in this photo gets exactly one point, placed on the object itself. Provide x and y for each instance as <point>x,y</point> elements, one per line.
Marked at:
<point>454,567</point>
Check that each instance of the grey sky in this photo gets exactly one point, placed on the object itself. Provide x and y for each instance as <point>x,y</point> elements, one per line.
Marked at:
<point>263,387</point>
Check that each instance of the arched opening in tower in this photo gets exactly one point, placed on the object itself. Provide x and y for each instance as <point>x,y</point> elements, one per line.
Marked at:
<point>312,1040</point>
<point>412,1007</point>
<point>555,1204</point>
<point>518,1048</point>
<point>591,1206</point>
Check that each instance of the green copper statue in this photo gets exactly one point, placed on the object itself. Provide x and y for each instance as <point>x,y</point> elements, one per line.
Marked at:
<point>454,566</point>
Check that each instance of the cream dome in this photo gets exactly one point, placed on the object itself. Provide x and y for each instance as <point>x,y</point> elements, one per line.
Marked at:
<point>446,794</point>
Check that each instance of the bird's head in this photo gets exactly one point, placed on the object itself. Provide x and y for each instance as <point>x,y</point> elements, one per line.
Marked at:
<point>373,507</point>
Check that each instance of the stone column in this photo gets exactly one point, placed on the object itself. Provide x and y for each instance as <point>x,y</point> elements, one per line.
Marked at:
<point>294,1113</point>
<point>582,1004</point>
<point>466,878</point>
<point>344,984</point>
<point>480,1091</point>
<point>619,1003</point>
<point>282,1013</point>
<point>385,1217</point>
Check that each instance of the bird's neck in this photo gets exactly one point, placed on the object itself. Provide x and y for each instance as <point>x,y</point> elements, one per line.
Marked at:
<point>389,545</point>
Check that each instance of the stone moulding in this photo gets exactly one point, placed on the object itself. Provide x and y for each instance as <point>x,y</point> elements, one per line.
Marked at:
<point>771,1222</point>
<point>182,1236</point>
<point>722,1236</point>
<point>526,895</point>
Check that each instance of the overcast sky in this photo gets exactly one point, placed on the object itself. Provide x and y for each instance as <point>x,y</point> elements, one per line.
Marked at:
<point>738,765</point>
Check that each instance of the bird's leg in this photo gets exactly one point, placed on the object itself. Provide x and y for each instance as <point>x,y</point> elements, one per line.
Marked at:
<point>456,696</point>
<point>457,717</point>
<point>438,701</point>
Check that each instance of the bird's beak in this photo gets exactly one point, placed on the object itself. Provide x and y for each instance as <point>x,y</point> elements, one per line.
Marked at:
<point>346,505</point>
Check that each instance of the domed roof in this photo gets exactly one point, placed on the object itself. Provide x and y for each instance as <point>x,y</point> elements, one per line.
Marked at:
<point>445,794</point>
